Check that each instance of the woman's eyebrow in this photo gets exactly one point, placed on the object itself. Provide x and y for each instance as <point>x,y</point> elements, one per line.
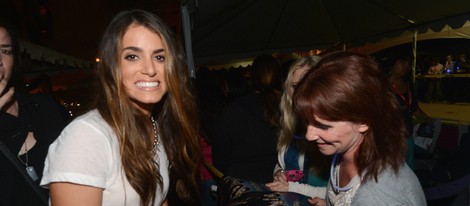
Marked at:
<point>158,51</point>
<point>133,48</point>
<point>5,45</point>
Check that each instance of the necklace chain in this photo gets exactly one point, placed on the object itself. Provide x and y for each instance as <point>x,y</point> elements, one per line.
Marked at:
<point>335,181</point>
<point>156,140</point>
<point>25,153</point>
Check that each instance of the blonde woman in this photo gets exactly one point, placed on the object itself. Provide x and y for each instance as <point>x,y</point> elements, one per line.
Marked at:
<point>298,164</point>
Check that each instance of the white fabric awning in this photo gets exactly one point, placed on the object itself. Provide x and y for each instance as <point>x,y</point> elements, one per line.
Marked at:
<point>407,37</point>
<point>42,53</point>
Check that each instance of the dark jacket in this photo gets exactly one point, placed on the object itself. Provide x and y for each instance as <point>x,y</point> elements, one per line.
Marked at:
<point>41,115</point>
<point>244,145</point>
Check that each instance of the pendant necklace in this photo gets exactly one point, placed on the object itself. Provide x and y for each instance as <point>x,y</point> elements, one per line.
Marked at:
<point>156,135</point>
<point>29,169</point>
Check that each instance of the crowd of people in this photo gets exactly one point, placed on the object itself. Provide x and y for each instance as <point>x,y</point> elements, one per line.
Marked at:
<point>335,129</point>
<point>450,65</point>
<point>438,88</point>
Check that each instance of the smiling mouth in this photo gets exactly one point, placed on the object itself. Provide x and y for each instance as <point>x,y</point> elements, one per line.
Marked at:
<point>322,144</point>
<point>147,84</point>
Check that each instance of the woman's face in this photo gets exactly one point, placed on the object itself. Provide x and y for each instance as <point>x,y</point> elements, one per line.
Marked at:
<point>296,77</point>
<point>142,63</point>
<point>336,137</point>
<point>401,67</point>
<point>6,55</point>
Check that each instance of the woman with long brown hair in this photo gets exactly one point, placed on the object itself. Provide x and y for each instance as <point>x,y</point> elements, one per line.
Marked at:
<point>142,132</point>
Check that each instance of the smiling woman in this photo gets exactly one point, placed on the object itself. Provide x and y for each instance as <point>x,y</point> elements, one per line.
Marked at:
<point>142,133</point>
<point>142,62</point>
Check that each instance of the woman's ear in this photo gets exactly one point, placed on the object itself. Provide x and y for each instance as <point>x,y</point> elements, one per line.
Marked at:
<point>363,128</point>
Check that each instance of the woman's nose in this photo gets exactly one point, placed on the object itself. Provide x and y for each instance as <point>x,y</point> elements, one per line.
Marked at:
<point>149,68</point>
<point>311,134</point>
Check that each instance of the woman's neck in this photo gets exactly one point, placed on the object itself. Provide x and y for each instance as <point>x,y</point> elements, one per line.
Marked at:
<point>12,108</point>
<point>348,170</point>
<point>397,78</point>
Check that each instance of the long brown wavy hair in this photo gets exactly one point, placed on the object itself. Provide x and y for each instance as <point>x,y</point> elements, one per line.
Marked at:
<point>348,86</point>
<point>176,112</point>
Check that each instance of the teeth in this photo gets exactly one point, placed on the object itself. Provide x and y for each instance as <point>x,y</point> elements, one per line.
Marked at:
<point>147,84</point>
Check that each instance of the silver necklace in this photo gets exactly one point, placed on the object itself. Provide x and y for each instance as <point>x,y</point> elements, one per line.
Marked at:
<point>156,140</point>
<point>29,169</point>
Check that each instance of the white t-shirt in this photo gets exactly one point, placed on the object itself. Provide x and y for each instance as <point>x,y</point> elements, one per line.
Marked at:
<point>87,153</point>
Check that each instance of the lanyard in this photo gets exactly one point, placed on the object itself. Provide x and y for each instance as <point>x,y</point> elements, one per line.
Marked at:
<point>397,91</point>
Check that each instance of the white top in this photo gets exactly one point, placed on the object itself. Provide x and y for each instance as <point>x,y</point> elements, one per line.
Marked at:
<point>343,197</point>
<point>87,153</point>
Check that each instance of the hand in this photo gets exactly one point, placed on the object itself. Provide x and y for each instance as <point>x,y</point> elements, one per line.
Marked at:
<point>280,176</point>
<point>6,93</point>
<point>280,183</point>
<point>317,201</point>
<point>278,186</point>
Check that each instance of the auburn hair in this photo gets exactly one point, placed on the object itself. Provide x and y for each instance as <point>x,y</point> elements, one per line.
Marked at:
<point>349,86</point>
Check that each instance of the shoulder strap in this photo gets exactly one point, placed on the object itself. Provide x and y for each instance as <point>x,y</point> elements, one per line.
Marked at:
<point>10,157</point>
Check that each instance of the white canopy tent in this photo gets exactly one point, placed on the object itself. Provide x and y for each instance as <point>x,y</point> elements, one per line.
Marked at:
<point>407,37</point>
<point>42,53</point>
<point>232,30</point>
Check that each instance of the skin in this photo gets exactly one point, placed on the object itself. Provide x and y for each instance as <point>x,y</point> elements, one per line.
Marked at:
<point>337,137</point>
<point>142,64</point>
<point>280,183</point>
<point>6,69</point>
<point>296,77</point>
<point>399,71</point>
<point>7,103</point>
<point>317,201</point>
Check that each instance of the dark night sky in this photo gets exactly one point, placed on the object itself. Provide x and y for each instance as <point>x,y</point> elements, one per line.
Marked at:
<point>74,27</point>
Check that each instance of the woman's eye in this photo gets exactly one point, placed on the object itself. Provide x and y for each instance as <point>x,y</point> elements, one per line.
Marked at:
<point>5,51</point>
<point>322,126</point>
<point>160,58</point>
<point>130,57</point>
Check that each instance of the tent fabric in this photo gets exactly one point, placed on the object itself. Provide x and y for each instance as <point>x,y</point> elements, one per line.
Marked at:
<point>41,53</point>
<point>232,29</point>
<point>407,37</point>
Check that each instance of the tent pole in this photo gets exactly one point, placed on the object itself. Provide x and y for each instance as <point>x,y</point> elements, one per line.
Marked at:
<point>187,40</point>
<point>413,67</point>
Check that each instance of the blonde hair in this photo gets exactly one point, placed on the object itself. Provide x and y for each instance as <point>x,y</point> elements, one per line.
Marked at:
<point>288,120</point>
